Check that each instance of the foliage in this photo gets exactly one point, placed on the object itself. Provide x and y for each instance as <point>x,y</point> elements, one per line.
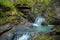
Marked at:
<point>29,2</point>
<point>7,3</point>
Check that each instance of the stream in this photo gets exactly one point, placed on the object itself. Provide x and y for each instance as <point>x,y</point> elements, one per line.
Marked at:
<point>37,27</point>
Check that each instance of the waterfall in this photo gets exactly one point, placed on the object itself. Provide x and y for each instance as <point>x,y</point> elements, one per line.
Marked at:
<point>38,21</point>
<point>37,28</point>
<point>25,36</point>
<point>40,28</point>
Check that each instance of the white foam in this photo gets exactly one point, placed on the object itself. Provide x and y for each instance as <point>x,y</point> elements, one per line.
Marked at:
<point>24,36</point>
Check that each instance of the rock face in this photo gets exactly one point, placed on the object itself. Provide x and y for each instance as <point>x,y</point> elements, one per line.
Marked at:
<point>26,11</point>
<point>5,28</point>
<point>10,31</point>
<point>4,31</point>
<point>56,20</point>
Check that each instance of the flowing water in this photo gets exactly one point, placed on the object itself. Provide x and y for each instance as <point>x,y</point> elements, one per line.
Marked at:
<point>38,21</point>
<point>40,28</point>
<point>25,36</point>
<point>37,28</point>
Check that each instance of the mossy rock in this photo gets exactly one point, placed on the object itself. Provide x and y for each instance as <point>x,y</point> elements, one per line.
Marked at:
<point>44,37</point>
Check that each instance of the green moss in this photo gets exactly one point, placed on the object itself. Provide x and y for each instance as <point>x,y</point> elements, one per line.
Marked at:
<point>7,3</point>
<point>8,19</point>
<point>30,3</point>
<point>44,37</point>
<point>41,5</point>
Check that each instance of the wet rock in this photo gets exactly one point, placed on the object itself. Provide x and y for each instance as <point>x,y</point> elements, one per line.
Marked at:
<point>6,33</point>
<point>44,23</point>
<point>5,28</point>
<point>6,36</point>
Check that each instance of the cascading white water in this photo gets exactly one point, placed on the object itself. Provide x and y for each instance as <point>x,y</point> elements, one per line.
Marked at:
<point>25,36</point>
<point>40,28</point>
<point>38,21</point>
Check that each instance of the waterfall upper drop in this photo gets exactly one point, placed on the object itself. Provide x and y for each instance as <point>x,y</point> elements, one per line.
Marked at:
<point>38,21</point>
